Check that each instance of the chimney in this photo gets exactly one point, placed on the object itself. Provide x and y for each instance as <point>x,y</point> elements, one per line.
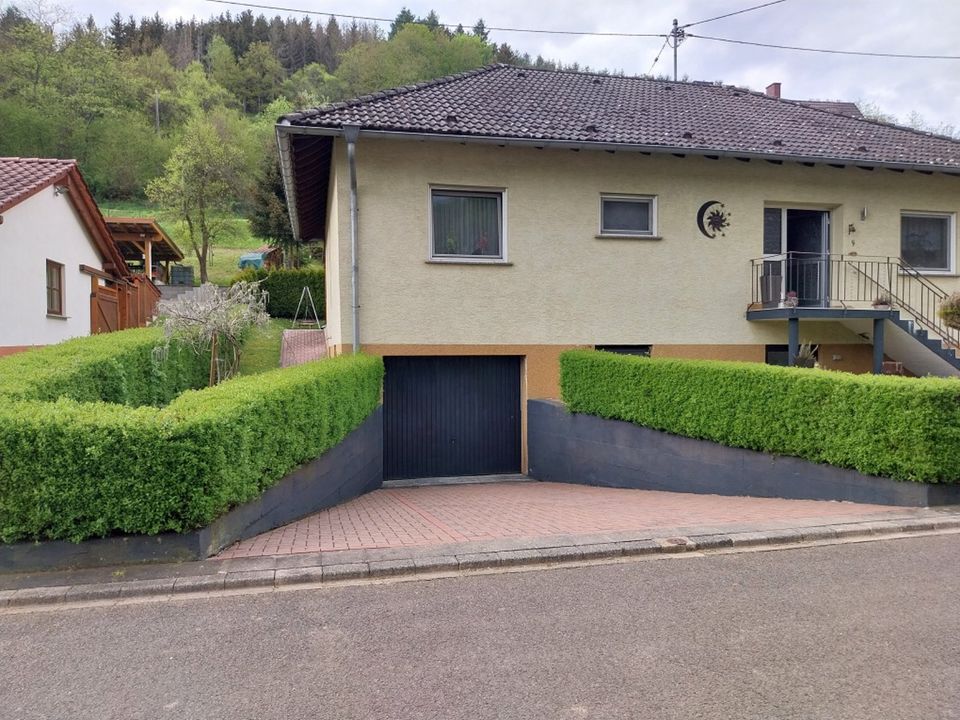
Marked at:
<point>773,90</point>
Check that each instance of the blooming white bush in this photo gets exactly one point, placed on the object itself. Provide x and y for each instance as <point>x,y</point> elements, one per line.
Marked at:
<point>214,319</point>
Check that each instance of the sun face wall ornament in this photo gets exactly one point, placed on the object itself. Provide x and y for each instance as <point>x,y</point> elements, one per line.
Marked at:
<point>713,219</point>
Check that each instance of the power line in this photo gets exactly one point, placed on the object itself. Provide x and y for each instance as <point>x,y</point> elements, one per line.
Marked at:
<point>902,56</point>
<point>423,22</point>
<point>731,14</point>
<point>659,53</point>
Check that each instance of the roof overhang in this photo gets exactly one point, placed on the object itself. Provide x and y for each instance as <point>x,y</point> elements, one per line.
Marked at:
<point>285,128</point>
<point>293,180</point>
<point>82,200</point>
<point>129,232</point>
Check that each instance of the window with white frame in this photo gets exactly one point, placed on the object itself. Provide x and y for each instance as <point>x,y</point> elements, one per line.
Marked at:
<point>628,215</point>
<point>466,224</point>
<point>927,240</point>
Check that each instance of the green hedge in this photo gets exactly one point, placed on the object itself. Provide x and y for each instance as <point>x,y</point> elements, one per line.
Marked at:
<point>903,428</point>
<point>284,288</point>
<point>118,367</point>
<point>74,470</point>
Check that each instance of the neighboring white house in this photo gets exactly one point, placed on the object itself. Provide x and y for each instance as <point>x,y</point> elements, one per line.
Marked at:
<point>54,250</point>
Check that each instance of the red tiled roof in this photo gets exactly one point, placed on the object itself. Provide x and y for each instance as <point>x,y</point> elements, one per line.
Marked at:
<point>834,106</point>
<point>22,177</point>
<point>503,101</point>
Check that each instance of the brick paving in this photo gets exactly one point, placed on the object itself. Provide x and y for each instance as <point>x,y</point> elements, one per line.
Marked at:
<point>300,346</point>
<point>445,514</point>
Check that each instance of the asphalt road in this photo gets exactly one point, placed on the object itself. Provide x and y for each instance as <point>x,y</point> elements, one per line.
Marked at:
<point>868,630</point>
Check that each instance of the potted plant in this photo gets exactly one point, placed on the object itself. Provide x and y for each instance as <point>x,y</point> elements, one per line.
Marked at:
<point>949,311</point>
<point>791,300</point>
<point>806,356</point>
<point>882,302</point>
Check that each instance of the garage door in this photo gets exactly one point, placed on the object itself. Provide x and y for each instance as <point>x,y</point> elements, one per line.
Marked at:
<point>447,416</point>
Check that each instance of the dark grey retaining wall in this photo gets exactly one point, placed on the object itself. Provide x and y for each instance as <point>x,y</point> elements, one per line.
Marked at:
<point>351,468</point>
<point>588,450</point>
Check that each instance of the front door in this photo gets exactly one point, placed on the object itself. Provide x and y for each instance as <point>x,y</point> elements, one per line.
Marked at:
<point>807,246</point>
<point>798,245</point>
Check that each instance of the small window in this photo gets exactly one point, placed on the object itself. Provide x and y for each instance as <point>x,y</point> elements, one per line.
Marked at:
<point>467,224</point>
<point>926,241</point>
<point>54,288</point>
<point>777,355</point>
<point>643,350</point>
<point>628,216</point>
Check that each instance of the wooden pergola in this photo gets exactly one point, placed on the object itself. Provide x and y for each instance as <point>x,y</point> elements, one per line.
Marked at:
<point>143,243</point>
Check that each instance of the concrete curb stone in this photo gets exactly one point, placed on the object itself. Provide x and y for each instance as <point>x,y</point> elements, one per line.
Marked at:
<point>391,568</point>
<point>146,588</point>
<point>249,579</point>
<point>351,571</point>
<point>39,596</point>
<point>413,561</point>
<point>748,539</point>
<point>79,593</point>
<point>299,576</point>
<point>199,583</point>
<point>478,561</point>
<point>532,556</point>
<point>439,563</point>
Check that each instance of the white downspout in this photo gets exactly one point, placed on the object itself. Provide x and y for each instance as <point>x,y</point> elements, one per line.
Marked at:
<point>351,133</point>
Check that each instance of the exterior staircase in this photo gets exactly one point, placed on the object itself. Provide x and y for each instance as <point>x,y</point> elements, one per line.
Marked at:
<point>846,288</point>
<point>908,343</point>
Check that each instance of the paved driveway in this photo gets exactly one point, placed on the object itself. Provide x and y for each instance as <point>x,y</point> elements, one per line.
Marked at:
<point>438,515</point>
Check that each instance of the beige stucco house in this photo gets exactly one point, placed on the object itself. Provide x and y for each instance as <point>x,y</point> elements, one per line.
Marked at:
<point>513,213</point>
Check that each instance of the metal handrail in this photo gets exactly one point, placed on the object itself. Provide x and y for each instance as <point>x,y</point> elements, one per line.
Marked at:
<point>831,280</point>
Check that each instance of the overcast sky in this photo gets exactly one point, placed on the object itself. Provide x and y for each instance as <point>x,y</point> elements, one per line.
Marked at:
<point>898,86</point>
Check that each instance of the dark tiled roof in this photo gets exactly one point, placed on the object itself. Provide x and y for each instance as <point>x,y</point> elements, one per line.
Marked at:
<point>515,103</point>
<point>835,106</point>
<point>22,177</point>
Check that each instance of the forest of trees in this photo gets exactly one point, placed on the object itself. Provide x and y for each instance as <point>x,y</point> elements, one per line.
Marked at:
<point>182,113</point>
<point>118,98</point>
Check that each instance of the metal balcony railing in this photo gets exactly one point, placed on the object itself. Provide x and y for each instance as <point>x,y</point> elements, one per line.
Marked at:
<point>813,280</point>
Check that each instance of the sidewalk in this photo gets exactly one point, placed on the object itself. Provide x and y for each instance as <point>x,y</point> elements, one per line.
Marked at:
<point>454,529</point>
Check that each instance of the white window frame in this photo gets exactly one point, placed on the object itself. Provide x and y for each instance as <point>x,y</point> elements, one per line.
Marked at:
<point>500,259</point>
<point>651,199</point>
<point>951,219</point>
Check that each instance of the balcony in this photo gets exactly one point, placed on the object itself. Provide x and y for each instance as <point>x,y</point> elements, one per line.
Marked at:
<point>864,293</point>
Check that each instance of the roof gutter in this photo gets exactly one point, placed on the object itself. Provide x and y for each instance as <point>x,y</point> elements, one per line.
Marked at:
<point>622,147</point>
<point>286,173</point>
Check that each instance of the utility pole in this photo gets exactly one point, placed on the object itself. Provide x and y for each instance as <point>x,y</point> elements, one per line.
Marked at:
<point>677,35</point>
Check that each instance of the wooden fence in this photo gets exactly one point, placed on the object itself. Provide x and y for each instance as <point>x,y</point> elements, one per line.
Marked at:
<point>120,304</point>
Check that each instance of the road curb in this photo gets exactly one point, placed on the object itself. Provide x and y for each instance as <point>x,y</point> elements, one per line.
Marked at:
<point>426,562</point>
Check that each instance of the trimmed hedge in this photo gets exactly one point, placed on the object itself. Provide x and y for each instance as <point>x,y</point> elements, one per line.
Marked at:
<point>74,470</point>
<point>117,367</point>
<point>284,288</point>
<point>902,428</point>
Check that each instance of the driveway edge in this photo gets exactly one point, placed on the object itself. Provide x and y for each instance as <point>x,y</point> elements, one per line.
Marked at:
<point>428,562</point>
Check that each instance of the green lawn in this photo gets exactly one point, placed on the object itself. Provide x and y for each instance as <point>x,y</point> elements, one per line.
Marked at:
<point>234,240</point>
<point>262,351</point>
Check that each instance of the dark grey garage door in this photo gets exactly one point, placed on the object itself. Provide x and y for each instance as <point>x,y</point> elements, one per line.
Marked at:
<point>448,416</point>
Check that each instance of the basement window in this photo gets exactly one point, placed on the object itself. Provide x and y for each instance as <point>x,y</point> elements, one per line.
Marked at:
<point>643,350</point>
<point>927,241</point>
<point>628,216</point>
<point>466,225</point>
